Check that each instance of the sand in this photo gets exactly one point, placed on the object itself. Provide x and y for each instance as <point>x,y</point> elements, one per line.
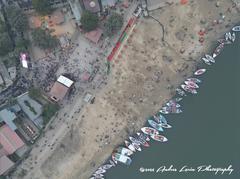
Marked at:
<point>142,78</point>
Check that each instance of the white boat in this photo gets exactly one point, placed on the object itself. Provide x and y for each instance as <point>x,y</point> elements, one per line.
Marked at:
<point>124,151</point>
<point>149,130</point>
<point>136,146</point>
<point>99,171</point>
<point>189,89</point>
<point>106,166</point>
<point>206,61</point>
<point>191,84</point>
<point>98,175</point>
<point>233,37</point>
<point>195,80</point>
<point>210,58</point>
<point>112,163</point>
<point>159,138</point>
<point>228,36</point>
<point>180,92</point>
<point>236,29</point>
<point>132,139</point>
<point>200,71</point>
<point>122,158</point>
<point>143,136</point>
<point>167,126</point>
<point>130,146</point>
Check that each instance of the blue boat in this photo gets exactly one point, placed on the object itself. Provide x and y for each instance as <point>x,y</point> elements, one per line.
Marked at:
<point>162,119</point>
<point>155,125</point>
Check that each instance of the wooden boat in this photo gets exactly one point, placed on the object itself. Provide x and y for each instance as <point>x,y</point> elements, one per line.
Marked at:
<point>191,84</point>
<point>143,136</point>
<point>159,138</point>
<point>189,89</point>
<point>155,125</point>
<point>130,146</point>
<point>200,71</point>
<point>122,158</point>
<point>236,29</point>
<point>206,61</point>
<point>132,139</point>
<point>210,58</point>
<point>149,130</point>
<point>124,151</point>
<point>195,80</point>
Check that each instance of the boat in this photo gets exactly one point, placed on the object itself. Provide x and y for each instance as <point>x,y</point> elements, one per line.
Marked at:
<point>224,41</point>
<point>206,61</point>
<point>200,71</point>
<point>155,125</point>
<point>99,171</point>
<point>195,80</point>
<point>162,119</point>
<point>156,118</point>
<point>164,110</point>
<point>228,35</point>
<point>132,139</point>
<point>167,126</point>
<point>107,166</point>
<point>159,138</point>
<point>233,37</point>
<point>236,29</point>
<point>191,84</point>
<point>189,89</point>
<point>112,163</point>
<point>122,158</point>
<point>176,110</point>
<point>210,58</point>
<point>98,175</point>
<point>143,141</point>
<point>171,104</point>
<point>124,151</point>
<point>180,92</point>
<point>136,146</point>
<point>130,146</point>
<point>143,136</point>
<point>149,130</point>
<point>218,50</point>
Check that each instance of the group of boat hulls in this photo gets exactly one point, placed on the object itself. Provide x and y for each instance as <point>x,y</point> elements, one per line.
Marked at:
<point>158,123</point>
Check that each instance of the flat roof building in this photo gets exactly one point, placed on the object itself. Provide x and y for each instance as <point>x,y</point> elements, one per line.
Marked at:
<point>5,164</point>
<point>60,88</point>
<point>10,140</point>
<point>8,117</point>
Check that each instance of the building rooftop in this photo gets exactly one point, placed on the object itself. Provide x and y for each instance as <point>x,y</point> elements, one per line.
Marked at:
<point>58,91</point>
<point>91,5</point>
<point>5,164</point>
<point>65,81</point>
<point>35,22</point>
<point>8,117</point>
<point>33,110</point>
<point>94,35</point>
<point>109,3</point>
<point>10,140</point>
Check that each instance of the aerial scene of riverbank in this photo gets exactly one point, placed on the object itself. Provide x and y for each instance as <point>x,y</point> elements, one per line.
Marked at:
<point>159,52</point>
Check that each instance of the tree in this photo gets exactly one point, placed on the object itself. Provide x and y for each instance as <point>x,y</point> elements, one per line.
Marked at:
<point>49,111</point>
<point>44,39</point>
<point>114,24</point>
<point>17,19</point>
<point>89,21</point>
<point>43,7</point>
<point>5,44</point>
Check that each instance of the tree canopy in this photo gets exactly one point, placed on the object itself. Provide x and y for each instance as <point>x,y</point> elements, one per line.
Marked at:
<point>2,26</point>
<point>6,44</point>
<point>43,39</point>
<point>43,7</point>
<point>17,19</point>
<point>89,21</point>
<point>114,24</point>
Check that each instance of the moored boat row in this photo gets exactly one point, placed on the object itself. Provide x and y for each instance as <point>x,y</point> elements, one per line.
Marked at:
<point>158,122</point>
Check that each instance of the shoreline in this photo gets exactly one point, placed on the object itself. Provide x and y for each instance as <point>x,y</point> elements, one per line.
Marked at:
<point>75,164</point>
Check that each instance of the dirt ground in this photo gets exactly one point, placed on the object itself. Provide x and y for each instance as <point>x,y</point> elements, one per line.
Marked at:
<point>142,78</point>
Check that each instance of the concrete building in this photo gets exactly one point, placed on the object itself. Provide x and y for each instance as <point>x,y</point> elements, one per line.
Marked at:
<point>8,117</point>
<point>5,164</point>
<point>76,10</point>
<point>31,108</point>
<point>60,88</point>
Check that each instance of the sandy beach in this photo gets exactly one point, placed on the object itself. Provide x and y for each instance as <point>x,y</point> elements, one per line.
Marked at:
<point>143,77</point>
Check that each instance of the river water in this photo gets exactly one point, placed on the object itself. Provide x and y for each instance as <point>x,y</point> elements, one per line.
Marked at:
<point>206,133</point>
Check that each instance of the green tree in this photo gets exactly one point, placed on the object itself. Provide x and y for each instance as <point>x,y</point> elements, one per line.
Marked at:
<point>89,21</point>
<point>48,112</point>
<point>17,19</point>
<point>43,7</point>
<point>5,44</point>
<point>44,39</point>
<point>114,24</point>
<point>20,42</point>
